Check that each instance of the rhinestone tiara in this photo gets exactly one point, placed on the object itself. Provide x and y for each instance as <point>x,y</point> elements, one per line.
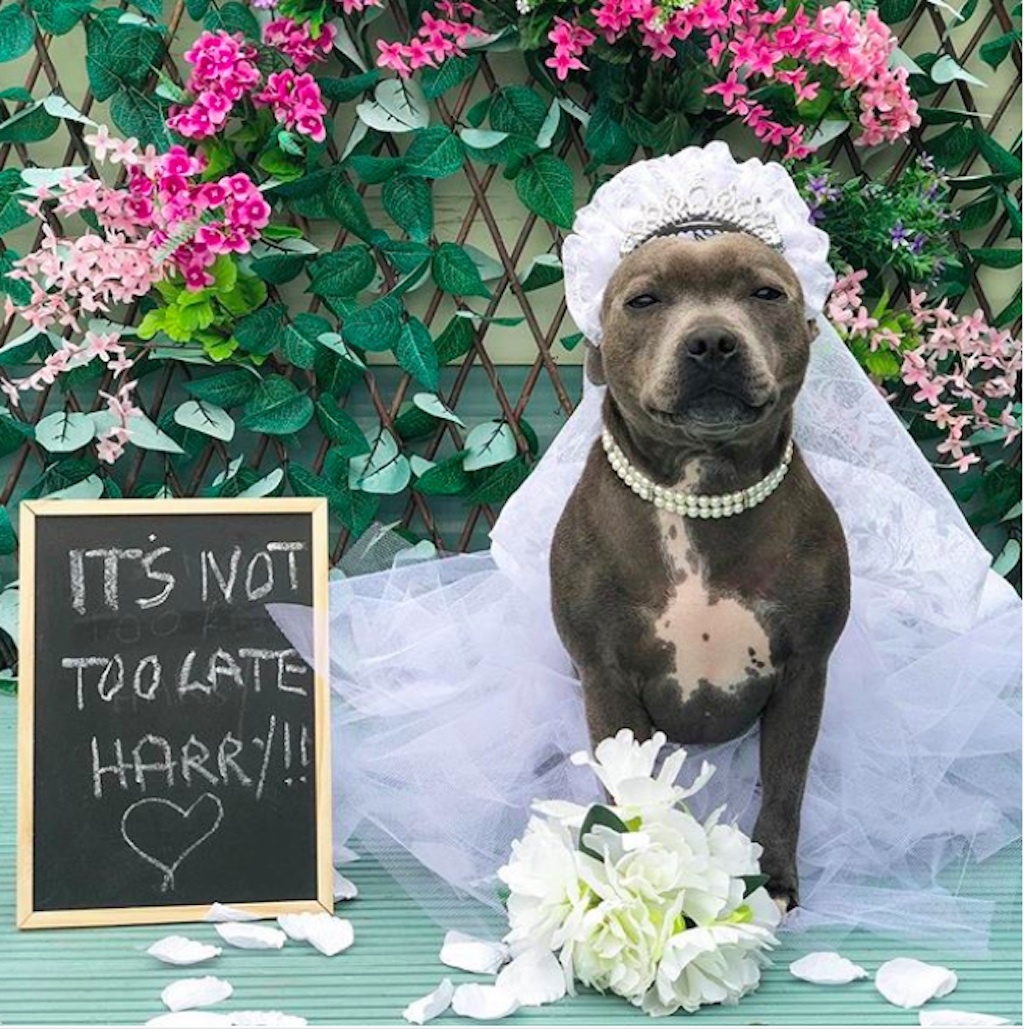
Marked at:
<point>703,212</point>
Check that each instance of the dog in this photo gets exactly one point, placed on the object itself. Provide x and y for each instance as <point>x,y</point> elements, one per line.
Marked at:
<point>699,627</point>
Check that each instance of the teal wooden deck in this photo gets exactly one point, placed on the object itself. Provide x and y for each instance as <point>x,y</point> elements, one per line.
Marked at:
<point>104,976</point>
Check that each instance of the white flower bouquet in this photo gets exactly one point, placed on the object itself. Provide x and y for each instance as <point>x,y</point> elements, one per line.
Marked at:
<point>638,897</point>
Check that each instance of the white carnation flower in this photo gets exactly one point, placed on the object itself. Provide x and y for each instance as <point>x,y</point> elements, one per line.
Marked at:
<point>626,769</point>
<point>547,896</point>
<point>715,964</point>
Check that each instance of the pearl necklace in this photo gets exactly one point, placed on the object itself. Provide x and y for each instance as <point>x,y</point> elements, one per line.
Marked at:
<point>694,505</point>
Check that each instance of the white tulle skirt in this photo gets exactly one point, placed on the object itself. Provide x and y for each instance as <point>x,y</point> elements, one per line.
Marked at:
<point>456,706</point>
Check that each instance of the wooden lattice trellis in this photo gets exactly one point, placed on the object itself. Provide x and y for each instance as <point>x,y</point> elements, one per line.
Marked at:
<point>485,212</point>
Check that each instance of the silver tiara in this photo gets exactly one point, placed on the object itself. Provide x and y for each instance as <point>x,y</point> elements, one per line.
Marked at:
<point>702,212</point>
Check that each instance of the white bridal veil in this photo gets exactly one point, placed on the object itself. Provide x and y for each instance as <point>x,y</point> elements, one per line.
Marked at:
<point>455,705</point>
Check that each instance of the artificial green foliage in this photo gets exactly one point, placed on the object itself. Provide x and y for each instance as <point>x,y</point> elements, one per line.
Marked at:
<point>278,352</point>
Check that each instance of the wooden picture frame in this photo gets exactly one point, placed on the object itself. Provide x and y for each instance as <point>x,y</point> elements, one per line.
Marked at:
<point>33,510</point>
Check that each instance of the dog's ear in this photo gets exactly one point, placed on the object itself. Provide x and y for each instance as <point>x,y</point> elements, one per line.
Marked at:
<point>593,365</point>
<point>812,330</point>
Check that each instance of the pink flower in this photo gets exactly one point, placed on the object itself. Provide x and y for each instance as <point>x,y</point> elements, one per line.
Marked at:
<point>100,142</point>
<point>728,90</point>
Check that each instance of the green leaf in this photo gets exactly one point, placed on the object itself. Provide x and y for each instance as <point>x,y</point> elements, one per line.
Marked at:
<point>278,269</point>
<point>455,272</point>
<point>233,17</point>
<point>997,157</point>
<point>752,883</point>
<point>892,11</point>
<point>355,508</point>
<point>59,16</point>
<point>383,470</point>
<point>951,148</point>
<point>1009,314</point>
<point>346,206</point>
<point>30,125</point>
<point>345,90</point>
<point>489,444</point>
<point>499,483</point>
<point>544,270</point>
<point>978,213</point>
<point>413,423</point>
<point>406,255</point>
<point>299,344</point>
<point>456,340</point>
<point>341,428</point>
<point>277,408</point>
<point>64,431</point>
<point>409,203</point>
<point>344,273</point>
<point>448,75</point>
<point>519,111</point>
<point>197,8</point>
<point>434,153</point>
<point>119,54</point>
<point>225,390</point>
<point>146,436</point>
<point>12,214</point>
<point>140,115</point>
<point>8,537</point>
<point>376,327</point>
<point>993,257</point>
<point>209,419</point>
<point>996,51</point>
<point>260,333</point>
<point>415,352</point>
<point>545,186</point>
<point>334,372</point>
<point>17,33</point>
<point>599,815</point>
<point>375,170</point>
<point>445,479</point>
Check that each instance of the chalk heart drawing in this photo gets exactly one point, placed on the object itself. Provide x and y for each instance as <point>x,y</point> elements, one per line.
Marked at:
<point>171,831</point>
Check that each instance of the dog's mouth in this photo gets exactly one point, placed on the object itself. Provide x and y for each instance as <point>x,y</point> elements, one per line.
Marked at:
<point>715,410</point>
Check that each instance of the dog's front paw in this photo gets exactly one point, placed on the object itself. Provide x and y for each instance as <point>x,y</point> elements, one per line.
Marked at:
<point>784,891</point>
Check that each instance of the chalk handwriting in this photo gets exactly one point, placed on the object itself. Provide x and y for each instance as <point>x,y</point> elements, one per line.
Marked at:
<point>207,812</point>
<point>157,763</point>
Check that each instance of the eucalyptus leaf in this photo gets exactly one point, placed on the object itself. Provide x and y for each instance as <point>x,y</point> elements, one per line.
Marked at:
<point>398,105</point>
<point>1008,558</point>
<point>489,444</point>
<point>147,436</point>
<point>382,470</point>
<point>89,488</point>
<point>945,70</point>
<point>207,418</point>
<point>64,431</point>
<point>434,405</point>
<point>264,487</point>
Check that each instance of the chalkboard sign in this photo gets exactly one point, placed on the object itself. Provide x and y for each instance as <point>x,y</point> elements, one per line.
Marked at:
<point>173,747</point>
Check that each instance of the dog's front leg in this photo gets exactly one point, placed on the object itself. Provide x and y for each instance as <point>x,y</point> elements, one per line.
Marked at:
<point>789,727</point>
<point>612,703</point>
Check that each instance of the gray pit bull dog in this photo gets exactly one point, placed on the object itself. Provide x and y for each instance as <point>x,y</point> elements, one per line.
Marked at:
<point>700,627</point>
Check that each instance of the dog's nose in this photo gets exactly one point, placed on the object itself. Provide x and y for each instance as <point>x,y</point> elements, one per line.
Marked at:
<point>711,346</point>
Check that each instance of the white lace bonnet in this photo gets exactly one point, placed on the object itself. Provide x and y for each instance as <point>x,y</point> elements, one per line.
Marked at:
<point>698,191</point>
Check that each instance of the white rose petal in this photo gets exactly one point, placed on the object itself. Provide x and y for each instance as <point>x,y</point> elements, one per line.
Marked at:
<point>947,1016</point>
<point>485,1003</point>
<point>344,889</point>
<point>328,934</point>
<point>294,926</point>
<point>226,913</point>
<point>827,968</point>
<point>433,1004</point>
<point>192,1020</point>
<point>909,983</point>
<point>180,950</point>
<point>267,1018</point>
<point>195,993</point>
<point>472,955</point>
<point>534,977</point>
<point>247,936</point>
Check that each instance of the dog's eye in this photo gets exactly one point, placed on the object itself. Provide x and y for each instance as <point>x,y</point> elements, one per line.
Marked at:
<point>643,300</point>
<point>768,293</point>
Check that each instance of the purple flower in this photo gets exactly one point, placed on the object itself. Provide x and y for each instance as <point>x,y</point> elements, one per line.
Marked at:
<point>918,242</point>
<point>898,234</point>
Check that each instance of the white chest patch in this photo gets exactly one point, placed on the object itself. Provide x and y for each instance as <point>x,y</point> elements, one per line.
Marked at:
<point>718,642</point>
